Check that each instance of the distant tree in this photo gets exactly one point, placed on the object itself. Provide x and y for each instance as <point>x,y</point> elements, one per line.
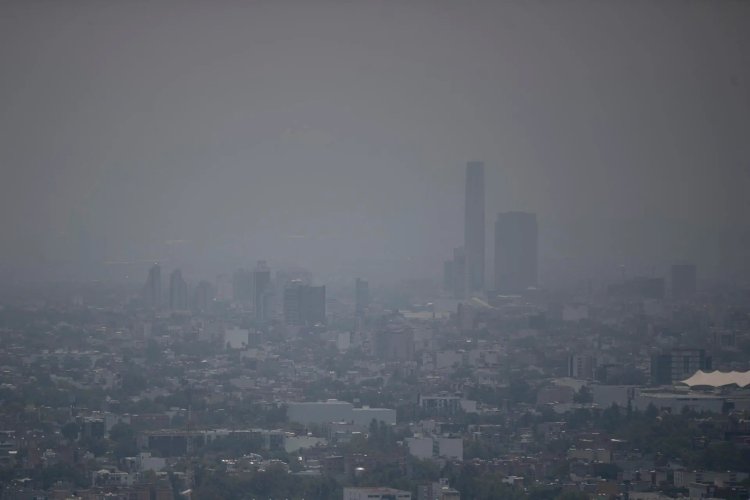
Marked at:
<point>123,439</point>
<point>583,395</point>
<point>70,431</point>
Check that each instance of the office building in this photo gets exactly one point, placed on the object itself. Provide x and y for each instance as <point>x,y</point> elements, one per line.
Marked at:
<point>261,283</point>
<point>304,304</point>
<point>152,290</point>
<point>678,364</point>
<point>474,227</point>
<point>516,252</point>
<point>177,291</point>
<point>683,281</point>
<point>361,297</point>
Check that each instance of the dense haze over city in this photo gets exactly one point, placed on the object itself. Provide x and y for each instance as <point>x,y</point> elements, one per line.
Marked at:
<point>374,250</point>
<point>333,135</point>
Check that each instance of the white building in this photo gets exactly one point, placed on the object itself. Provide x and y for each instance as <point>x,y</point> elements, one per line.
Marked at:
<point>333,410</point>
<point>431,447</point>
<point>236,338</point>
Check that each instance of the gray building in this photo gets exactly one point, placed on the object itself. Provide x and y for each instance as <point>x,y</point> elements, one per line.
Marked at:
<point>304,304</point>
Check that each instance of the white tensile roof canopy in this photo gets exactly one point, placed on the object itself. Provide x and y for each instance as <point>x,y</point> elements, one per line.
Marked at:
<point>718,379</point>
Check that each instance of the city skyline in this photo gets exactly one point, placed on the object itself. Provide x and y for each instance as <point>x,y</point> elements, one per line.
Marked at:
<point>375,249</point>
<point>340,156</point>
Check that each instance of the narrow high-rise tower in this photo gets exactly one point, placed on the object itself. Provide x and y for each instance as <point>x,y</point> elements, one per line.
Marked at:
<point>152,290</point>
<point>474,227</point>
<point>261,290</point>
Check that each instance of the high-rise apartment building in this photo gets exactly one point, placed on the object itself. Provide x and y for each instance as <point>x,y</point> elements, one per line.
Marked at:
<point>474,226</point>
<point>516,252</point>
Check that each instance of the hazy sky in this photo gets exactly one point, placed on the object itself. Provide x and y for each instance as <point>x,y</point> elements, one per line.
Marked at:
<point>334,134</point>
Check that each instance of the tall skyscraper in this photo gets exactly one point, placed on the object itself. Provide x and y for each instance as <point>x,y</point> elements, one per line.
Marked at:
<point>178,293</point>
<point>516,235</point>
<point>361,297</point>
<point>474,226</point>
<point>152,290</point>
<point>683,281</point>
<point>262,290</point>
